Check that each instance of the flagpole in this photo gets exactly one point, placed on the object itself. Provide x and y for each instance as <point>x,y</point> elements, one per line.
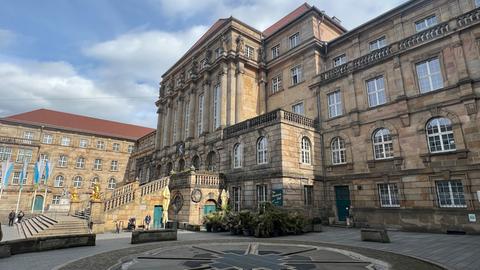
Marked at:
<point>1,192</point>
<point>18,199</point>
<point>34,197</point>
<point>44,198</point>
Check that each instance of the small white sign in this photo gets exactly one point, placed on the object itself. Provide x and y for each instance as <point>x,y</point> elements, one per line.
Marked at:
<point>143,207</point>
<point>478,195</point>
<point>472,218</point>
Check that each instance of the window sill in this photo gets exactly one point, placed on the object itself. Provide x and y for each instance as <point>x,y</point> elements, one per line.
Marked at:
<point>277,92</point>
<point>297,84</point>
<point>397,162</point>
<point>460,153</point>
<point>342,166</point>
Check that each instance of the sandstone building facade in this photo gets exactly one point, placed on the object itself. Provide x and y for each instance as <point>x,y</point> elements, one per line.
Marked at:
<point>380,122</point>
<point>83,151</point>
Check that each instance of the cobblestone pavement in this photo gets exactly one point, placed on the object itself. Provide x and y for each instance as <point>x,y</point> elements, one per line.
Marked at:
<point>451,251</point>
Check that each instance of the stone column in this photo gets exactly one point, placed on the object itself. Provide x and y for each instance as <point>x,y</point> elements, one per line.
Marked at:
<point>231,83</point>
<point>180,117</point>
<point>262,95</point>
<point>193,105</point>
<point>207,106</point>
<point>223,96</point>
<point>97,216</point>
<point>168,126</point>
<point>239,92</point>
<point>158,134</point>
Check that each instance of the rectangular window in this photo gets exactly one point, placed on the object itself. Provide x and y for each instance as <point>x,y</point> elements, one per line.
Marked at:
<point>339,60</point>
<point>5,153</point>
<point>298,108</point>
<point>16,178</point>
<point>388,194</point>
<point>376,92</point>
<point>187,119</point>
<point>294,40</point>
<point>62,161</point>
<point>296,73</point>
<point>98,164</point>
<point>276,84</point>
<point>426,23</point>
<point>237,198</point>
<point>429,75</point>
<point>114,166</point>
<point>334,104</point>
<point>450,194</point>
<point>201,100</point>
<point>378,44</point>
<point>83,143</point>
<point>275,51</point>
<point>216,107</point>
<point>44,158</point>
<point>262,194</point>
<point>47,139</point>
<point>249,52</point>
<point>28,135</point>
<point>101,145</point>
<point>116,147</point>
<point>65,141</point>
<point>174,132</point>
<point>24,155</point>
<point>308,195</point>
<point>56,199</point>
<point>218,52</point>
<point>130,149</point>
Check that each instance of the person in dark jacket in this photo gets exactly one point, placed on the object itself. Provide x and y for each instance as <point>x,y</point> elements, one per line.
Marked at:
<point>20,216</point>
<point>148,218</point>
<point>11,218</point>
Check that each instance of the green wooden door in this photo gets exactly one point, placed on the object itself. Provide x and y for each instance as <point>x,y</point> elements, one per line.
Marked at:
<point>342,196</point>
<point>157,216</point>
<point>208,208</point>
<point>38,204</point>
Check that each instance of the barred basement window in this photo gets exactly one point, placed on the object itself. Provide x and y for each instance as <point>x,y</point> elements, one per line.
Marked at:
<point>262,194</point>
<point>388,195</point>
<point>237,198</point>
<point>450,194</point>
<point>308,195</point>
<point>338,151</point>
<point>440,135</point>
<point>382,144</point>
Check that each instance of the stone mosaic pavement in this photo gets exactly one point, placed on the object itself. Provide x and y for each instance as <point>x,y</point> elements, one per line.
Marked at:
<point>451,251</point>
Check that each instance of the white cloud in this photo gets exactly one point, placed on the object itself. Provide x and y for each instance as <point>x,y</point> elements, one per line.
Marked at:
<point>7,37</point>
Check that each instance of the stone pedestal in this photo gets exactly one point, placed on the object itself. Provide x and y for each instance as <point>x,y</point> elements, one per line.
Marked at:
<point>74,206</point>
<point>97,216</point>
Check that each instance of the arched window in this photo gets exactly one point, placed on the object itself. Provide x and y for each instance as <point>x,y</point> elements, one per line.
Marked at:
<point>80,163</point>
<point>262,150</point>
<point>237,155</point>
<point>196,162</point>
<point>212,161</point>
<point>95,180</point>
<point>112,183</point>
<point>338,151</point>
<point>382,144</point>
<point>305,153</point>
<point>59,180</point>
<point>181,165</point>
<point>77,181</point>
<point>440,135</point>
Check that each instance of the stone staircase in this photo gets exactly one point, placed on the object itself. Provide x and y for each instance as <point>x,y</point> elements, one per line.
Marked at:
<point>34,225</point>
<point>43,225</point>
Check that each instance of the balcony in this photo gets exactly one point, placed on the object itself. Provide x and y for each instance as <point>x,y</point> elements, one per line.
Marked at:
<point>195,179</point>
<point>18,141</point>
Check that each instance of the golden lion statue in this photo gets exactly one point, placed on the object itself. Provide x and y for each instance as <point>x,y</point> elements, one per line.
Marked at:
<point>96,192</point>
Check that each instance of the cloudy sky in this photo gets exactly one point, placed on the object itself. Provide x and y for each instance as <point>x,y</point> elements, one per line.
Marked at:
<point>104,58</point>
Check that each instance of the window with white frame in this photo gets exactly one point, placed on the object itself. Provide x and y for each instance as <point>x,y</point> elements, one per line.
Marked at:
<point>305,146</point>
<point>47,139</point>
<point>83,143</point>
<point>56,199</point>
<point>59,181</point>
<point>450,194</point>
<point>236,198</point>
<point>308,195</point>
<point>186,119</point>
<point>262,195</point>
<point>378,44</point>
<point>339,60</point>
<point>44,158</point>
<point>334,104</point>
<point>294,40</point>
<point>339,153</point>
<point>15,178</point>
<point>77,181</point>
<point>262,150</point>
<point>80,164</point>
<point>382,144</point>
<point>116,147</point>
<point>101,145</point>
<point>276,84</point>
<point>440,135</point>
<point>376,91</point>
<point>5,153</point>
<point>174,132</point>
<point>28,135</point>
<point>65,141</point>
<point>388,194</point>
<point>429,75</point>
<point>298,108</point>
<point>112,183</point>
<point>95,181</point>
<point>237,155</point>
<point>130,149</point>
<point>201,101</point>
<point>275,51</point>
<point>425,23</point>
<point>24,155</point>
<point>249,52</point>
<point>216,106</point>
<point>62,161</point>
<point>97,165</point>
<point>114,165</point>
<point>296,74</point>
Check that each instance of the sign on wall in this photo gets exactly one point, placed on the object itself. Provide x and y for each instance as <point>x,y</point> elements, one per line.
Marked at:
<point>277,197</point>
<point>472,218</point>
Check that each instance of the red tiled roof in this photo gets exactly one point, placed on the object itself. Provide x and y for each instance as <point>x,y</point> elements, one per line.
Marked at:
<point>79,123</point>
<point>287,19</point>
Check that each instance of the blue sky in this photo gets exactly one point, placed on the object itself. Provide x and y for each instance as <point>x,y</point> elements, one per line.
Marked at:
<point>104,58</point>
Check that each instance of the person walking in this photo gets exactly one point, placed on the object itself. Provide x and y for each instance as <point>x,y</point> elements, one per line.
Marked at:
<point>20,216</point>
<point>11,218</point>
<point>148,218</point>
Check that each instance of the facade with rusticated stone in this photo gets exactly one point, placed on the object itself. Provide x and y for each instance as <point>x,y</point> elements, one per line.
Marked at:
<point>379,123</point>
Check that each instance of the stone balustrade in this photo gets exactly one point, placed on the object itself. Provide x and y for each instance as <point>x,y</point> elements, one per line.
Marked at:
<point>154,186</point>
<point>424,36</point>
<point>119,201</point>
<point>15,140</point>
<point>204,179</point>
<point>469,18</point>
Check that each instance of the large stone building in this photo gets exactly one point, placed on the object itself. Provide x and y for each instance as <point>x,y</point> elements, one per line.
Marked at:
<point>380,122</point>
<point>83,151</point>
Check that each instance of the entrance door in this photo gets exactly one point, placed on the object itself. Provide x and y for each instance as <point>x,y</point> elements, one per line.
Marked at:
<point>342,196</point>
<point>38,204</point>
<point>208,208</point>
<point>157,216</point>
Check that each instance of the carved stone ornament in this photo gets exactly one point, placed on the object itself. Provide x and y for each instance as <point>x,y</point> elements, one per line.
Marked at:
<point>196,195</point>
<point>240,44</point>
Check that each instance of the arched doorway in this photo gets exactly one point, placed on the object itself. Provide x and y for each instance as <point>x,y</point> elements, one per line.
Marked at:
<point>209,207</point>
<point>196,162</point>
<point>38,204</point>
<point>212,161</point>
<point>181,165</point>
